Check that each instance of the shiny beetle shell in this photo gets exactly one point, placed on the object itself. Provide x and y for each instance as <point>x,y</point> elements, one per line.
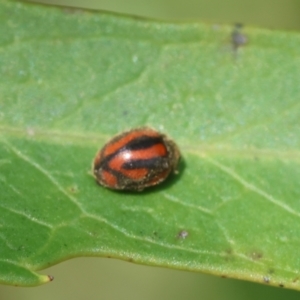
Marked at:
<point>136,159</point>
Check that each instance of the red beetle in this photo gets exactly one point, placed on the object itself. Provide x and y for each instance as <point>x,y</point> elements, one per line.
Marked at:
<point>136,159</point>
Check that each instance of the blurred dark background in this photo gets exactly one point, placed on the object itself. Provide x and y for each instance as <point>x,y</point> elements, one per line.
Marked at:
<point>279,14</point>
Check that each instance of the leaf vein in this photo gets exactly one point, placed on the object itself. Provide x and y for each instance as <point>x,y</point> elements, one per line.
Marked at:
<point>27,216</point>
<point>176,200</point>
<point>45,173</point>
<point>251,186</point>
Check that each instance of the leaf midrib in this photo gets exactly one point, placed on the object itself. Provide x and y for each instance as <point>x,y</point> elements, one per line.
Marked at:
<point>203,149</point>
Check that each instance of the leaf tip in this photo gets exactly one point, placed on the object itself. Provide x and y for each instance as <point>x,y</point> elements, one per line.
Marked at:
<point>46,278</point>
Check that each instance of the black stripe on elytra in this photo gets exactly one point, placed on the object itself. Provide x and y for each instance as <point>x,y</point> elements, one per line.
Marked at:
<point>152,163</point>
<point>143,142</point>
<point>139,143</point>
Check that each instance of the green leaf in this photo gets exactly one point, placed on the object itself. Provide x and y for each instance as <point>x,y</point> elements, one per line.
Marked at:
<point>72,79</point>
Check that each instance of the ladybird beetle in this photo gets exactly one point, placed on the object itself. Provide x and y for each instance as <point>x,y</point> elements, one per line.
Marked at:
<point>136,159</point>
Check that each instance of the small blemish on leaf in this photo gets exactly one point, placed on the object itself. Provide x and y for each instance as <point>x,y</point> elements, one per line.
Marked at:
<point>51,278</point>
<point>182,234</point>
<point>229,251</point>
<point>155,233</point>
<point>73,189</point>
<point>296,279</point>
<point>238,38</point>
<point>256,255</point>
<point>266,279</point>
<point>281,285</point>
<point>228,255</point>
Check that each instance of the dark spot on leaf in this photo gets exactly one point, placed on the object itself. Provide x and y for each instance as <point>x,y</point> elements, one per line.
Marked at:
<point>223,276</point>
<point>271,271</point>
<point>182,234</point>
<point>281,285</point>
<point>296,279</point>
<point>228,255</point>
<point>51,278</point>
<point>256,255</point>
<point>130,259</point>
<point>156,235</point>
<point>229,251</point>
<point>237,37</point>
<point>73,189</point>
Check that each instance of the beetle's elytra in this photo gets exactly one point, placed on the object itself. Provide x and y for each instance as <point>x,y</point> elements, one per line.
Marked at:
<point>136,159</point>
